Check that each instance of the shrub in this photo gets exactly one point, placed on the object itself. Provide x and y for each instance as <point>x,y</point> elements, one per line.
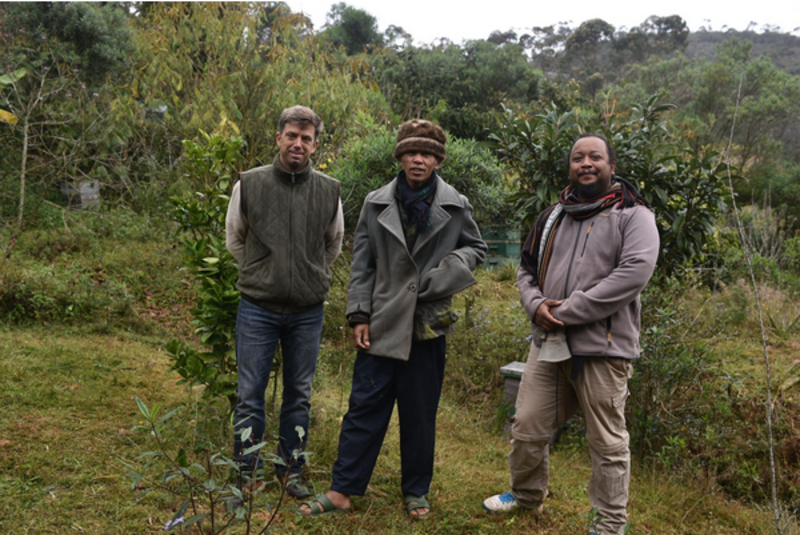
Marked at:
<point>211,161</point>
<point>366,164</point>
<point>60,293</point>
<point>791,254</point>
<point>685,187</point>
<point>492,331</point>
<point>670,375</point>
<point>216,495</point>
<point>98,266</point>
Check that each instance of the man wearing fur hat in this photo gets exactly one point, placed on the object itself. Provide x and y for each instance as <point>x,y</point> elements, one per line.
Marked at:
<point>415,246</point>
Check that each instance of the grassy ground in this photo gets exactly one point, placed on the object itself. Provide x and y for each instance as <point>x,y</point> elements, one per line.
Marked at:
<point>68,388</point>
<point>68,410</point>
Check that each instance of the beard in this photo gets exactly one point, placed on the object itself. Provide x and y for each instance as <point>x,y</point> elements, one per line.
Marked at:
<point>589,192</point>
<point>598,188</point>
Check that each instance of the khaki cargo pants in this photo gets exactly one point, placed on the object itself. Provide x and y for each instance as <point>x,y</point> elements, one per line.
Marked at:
<point>546,399</point>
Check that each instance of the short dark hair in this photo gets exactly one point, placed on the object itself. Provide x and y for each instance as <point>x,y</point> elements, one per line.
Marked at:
<point>303,116</point>
<point>612,157</point>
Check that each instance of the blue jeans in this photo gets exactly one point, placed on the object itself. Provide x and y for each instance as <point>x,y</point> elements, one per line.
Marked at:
<point>257,334</point>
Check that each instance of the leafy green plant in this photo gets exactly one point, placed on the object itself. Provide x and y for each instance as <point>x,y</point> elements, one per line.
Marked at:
<point>534,147</point>
<point>459,87</point>
<point>594,517</point>
<point>782,324</point>
<point>666,388</point>
<point>686,187</point>
<point>791,254</point>
<point>199,474</point>
<point>201,219</point>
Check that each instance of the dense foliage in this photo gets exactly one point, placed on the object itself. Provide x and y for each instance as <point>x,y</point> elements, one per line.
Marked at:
<point>366,164</point>
<point>161,104</point>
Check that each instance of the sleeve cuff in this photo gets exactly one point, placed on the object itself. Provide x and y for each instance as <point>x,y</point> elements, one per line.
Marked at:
<point>358,318</point>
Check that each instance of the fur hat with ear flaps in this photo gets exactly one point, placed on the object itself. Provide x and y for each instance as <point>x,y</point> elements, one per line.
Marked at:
<point>419,135</point>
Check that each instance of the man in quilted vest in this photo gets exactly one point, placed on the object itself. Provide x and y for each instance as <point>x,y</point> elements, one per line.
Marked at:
<point>284,227</point>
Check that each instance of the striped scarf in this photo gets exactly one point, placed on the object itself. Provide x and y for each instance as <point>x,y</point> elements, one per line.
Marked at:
<point>538,246</point>
<point>417,203</point>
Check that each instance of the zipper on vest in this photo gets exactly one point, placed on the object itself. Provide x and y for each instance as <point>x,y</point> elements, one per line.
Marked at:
<point>572,259</point>
<point>608,329</point>
<point>291,242</point>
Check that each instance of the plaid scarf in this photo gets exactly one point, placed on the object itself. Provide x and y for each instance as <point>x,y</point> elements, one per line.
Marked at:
<point>417,203</point>
<point>622,194</point>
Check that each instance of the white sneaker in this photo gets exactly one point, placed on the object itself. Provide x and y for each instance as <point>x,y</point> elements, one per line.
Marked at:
<point>500,503</point>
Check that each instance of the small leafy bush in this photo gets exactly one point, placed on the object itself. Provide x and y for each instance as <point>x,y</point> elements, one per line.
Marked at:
<point>215,495</point>
<point>366,164</point>
<point>791,254</point>
<point>485,339</point>
<point>212,161</point>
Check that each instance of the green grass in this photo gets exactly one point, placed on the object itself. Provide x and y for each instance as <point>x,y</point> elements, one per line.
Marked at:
<point>68,389</point>
<point>68,401</point>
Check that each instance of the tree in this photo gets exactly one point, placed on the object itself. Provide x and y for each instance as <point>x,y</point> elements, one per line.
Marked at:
<point>587,50</point>
<point>667,34</point>
<point>240,85</point>
<point>394,33</point>
<point>545,44</point>
<point>709,100</point>
<point>500,38</point>
<point>686,187</point>
<point>96,36</point>
<point>58,127</point>
<point>587,38</point>
<point>460,87</point>
<point>659,36</point>
<point>352,28</point>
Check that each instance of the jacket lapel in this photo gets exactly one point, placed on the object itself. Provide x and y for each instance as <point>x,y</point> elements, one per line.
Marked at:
<point>445,196</point>
<point>439,218</point>
<point>389,218</point>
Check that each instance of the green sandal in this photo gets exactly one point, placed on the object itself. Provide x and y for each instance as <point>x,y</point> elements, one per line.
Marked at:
<point>321,505</point>
<point>417,502</point>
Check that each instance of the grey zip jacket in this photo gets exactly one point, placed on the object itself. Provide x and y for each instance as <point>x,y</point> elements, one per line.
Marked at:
<point>598,268</point>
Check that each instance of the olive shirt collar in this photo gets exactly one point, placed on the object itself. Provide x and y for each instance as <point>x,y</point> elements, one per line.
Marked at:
<point>289,177</point>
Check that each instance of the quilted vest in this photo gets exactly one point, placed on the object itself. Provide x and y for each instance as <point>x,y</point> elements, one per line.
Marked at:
<point>283,267</point>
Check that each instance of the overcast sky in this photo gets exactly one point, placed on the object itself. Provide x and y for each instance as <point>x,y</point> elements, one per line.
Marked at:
<point>428,20</point>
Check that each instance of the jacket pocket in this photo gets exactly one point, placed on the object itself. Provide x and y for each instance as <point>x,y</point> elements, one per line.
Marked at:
<point>257,261</point>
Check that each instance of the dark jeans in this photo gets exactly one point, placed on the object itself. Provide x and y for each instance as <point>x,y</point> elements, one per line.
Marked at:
<point>377,383</point>
<point>257,334</point>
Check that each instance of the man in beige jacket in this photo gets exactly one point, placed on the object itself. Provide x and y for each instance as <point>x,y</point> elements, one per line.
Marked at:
<point>584,265</point>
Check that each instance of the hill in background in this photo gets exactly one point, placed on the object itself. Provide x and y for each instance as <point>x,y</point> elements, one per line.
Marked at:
<point>782,48</point>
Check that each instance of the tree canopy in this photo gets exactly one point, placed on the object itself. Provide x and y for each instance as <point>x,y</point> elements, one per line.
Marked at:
<point>352,28</point>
